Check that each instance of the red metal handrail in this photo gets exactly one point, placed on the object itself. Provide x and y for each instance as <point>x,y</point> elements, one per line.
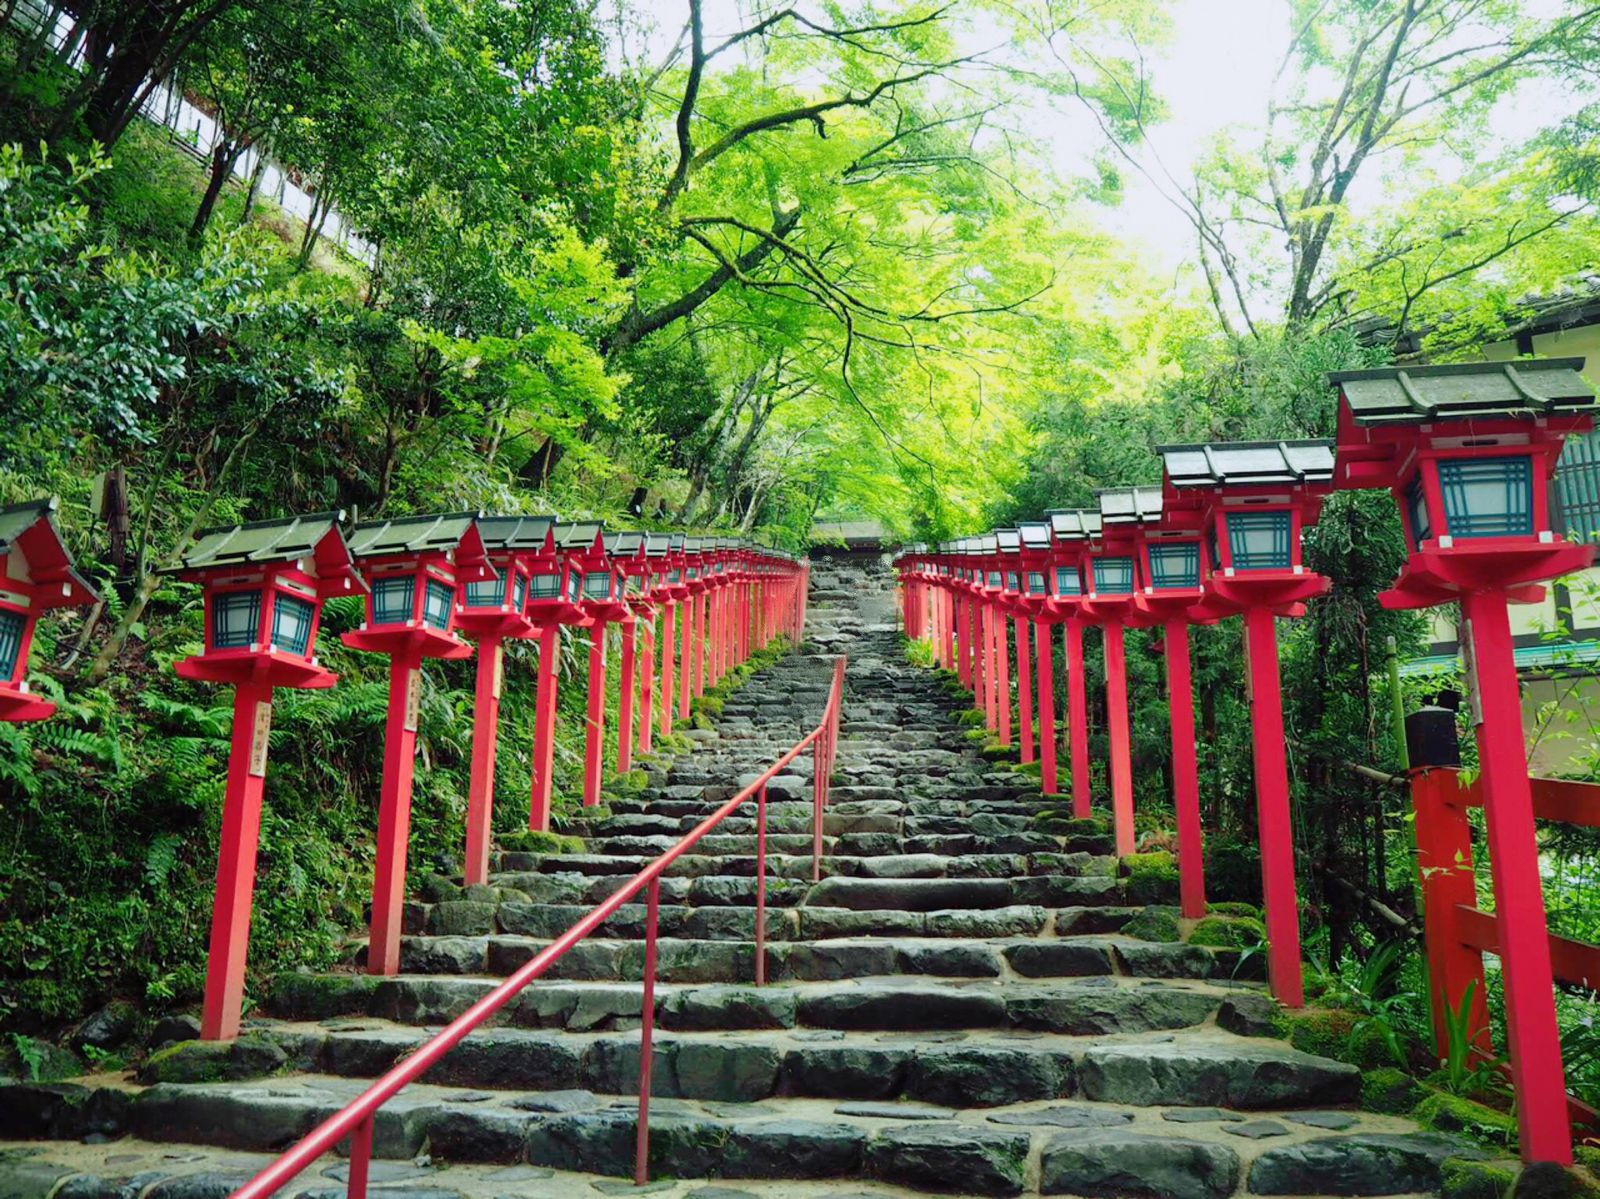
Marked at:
<point>356,1119</point>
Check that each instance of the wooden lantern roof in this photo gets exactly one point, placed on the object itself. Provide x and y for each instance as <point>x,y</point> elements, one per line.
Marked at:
<point>503,534</point>
<point>1465,390</point>
<point>584,536</point>
<point>1130,506</point>
<point>1074,524</point>
<point>1008,541</point>
<point>1247,464</point>
<point>317,538</point>
<point>453,533</point>
<point>32,550</point>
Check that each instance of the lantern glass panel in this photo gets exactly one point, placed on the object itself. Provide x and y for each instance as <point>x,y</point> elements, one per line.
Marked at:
<point>547,586</point>
<point>1067,581</point>
<point>11,626</point>
<point>994,579</point>
<point>1175,566</point>
<point>436,604</point>
<point>1417,510</point>
<point>292,618</point>
<point>1113,576</point>
<point>1260,540</point>
<point>1036,585</point>
<point>597,585</point>
<point>674,576</point>
<point>521,592</point>
<point>574,586</point>
<point>235,619</point>
<point>1013,581</point>
<point>1488,497</point>
<point>392,600</point>
<point>489,593</point>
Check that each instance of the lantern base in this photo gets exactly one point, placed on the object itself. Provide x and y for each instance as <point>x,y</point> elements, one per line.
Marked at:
<point>542,613</point>
<point>1158,608</point>
<point>489,623</point>
<point>17,706</point>
<point>1514,565</point>
<point>422,642</point>
<point>1281,592</point>
<point>1107,610</point>
<point>606,611</point>
<point>265,668</point>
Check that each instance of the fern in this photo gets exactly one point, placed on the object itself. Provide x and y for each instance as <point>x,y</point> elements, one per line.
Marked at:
<point>160,859</point>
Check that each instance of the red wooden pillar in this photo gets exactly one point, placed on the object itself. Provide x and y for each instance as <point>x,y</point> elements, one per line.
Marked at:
<point>236,862</point>
<point>985,668</point>
<point>485,740</point>
<point>701,602</point>
<point>595,724</point>
<point>1121,767</point>
<point>1532,1040</point>
<point>1077,718</point>
<point>963,617</point>
<point>1185,771</point>
<point>544,728</point>
<point>394,813</point>
<point>1002,674</point>
<point>1444,861</point>
<point>1275,827</point>
<point>1044,658</point>
<point>625,699</point>
<point>647,686</point>
<point>1024,689</point>
<point>669,648</point>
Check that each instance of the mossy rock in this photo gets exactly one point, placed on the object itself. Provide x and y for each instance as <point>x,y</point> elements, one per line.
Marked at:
<point>1150,877</point>
<point>1445,1112</point>
<point>215,1061</point>
<point>998,753</point>
<point>979,736</point>
<point>1232,908</point>
<point>971,718</point>
<point>529,840</point>
<point>1034,768</point>
<point>1463,1178</point>
<point>711,705</point>
<point>1157,922</point>
<point>1228,932</point>
<point>1064,823</point>
<point>702,722</point>
<point>630,783</point>
<point>44,1061</point>
<point>1389,1090</point>
<point>1322,1031</point>
<point>436,888</point>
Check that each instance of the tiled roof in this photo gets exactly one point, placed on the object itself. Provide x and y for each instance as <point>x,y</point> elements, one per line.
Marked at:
<point>1248,462</point>
<point>1130,505</point>
<point>405,534</point>
<point>258,541</point>
<point>1413,395</point>
<point>1074,524</point>
<point>515,532</point>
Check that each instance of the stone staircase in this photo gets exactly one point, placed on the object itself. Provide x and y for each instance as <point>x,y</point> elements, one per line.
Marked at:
<point>958,1006</point>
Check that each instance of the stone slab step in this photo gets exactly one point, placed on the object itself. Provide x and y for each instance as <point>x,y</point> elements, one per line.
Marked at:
<point>1099,1005</point>
<point>1046,1147</point>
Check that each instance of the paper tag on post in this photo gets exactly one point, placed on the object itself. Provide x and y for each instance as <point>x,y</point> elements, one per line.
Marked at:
<point>413,700</point>
<point>259,735</point>
<point>499,670</point>
<point>1469,662</point>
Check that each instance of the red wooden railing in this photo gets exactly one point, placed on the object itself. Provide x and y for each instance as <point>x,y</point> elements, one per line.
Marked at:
<point>1459,933</point>
<point>357,1119</point>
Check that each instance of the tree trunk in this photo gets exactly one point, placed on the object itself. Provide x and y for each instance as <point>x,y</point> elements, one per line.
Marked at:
<point>255,185</point>
<point>320,205</point>
<point>224,156</point>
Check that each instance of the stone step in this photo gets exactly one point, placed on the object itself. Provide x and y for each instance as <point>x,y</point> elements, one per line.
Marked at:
<point>1099,1005</point>
<point>1043,1147</point>
<point>990,1068</point>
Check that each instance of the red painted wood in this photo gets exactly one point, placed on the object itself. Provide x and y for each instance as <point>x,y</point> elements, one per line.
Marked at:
<point>236,871</point>
<point>625,700</point>
<point>1024,689</point>
<point>647,1028</point>
<point>669,649</point>
<point>485,739</point>
<point>647,685</point>
<point>1002,672</point>
<point>394,820</point>
<point>1044,658</point>
<point>964,646</point>
<point>544,728</point>
<point>1275,826</point>
<point>686,658</point>
<point>595,722</point>
<point>1121,766</point>
<point>1532,1040</point>
<point>1077,718</point>
<point>1444,861</point>
<point>1185,771</point>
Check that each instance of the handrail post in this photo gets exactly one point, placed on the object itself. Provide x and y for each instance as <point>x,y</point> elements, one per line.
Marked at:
<point>818,773</point>
<point>360,1159</point>
<point>647,1028</point>
<point>761,886</point>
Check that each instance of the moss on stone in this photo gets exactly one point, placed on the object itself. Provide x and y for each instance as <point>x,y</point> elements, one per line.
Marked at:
<point>969,718</point>
<point>1322,1031</point>
<point>251,1056</point>
<point>1156,923</point>
<point>1228,932</point>
<point>1463,1178</point>
<point>529,840</point>
<point>1033,768</point>
<point>319,996</point>
<point>632,782</point>
<point>1389,1090</point>
<point>711,705</point>
<point>1445,1112</point>
<point>1231,908</point>
<point>994,752</point>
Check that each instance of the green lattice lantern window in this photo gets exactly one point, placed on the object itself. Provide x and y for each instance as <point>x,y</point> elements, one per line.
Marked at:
<point>1111,574</point>
<point>1473,496</point>
<point>1068,582</point>
<point>1174,565</point>
<point>13,631</point>
<point>1260,539</point>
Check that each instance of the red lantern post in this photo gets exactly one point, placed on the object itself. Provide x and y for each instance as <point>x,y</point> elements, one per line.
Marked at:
<point>1172,568</point>
<point>673,587</point>
<point>1469,452</point>
<point>603,602</point>
<point>413,567</point>
<point>1070,531</point>
<point>1110,576</point>
<point>1035,539</point>
<point>1013,602</point>
<point>646,599</point>
<point>555,586</point>
<point>1252,500</point>
<point>36,574</point>
<point>264,587</point>
<point>488,612</point>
